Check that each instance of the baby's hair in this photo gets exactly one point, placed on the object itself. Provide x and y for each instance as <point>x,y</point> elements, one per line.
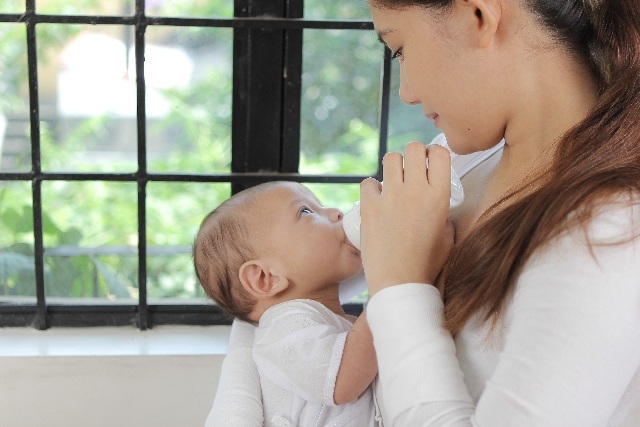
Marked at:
<point>222,245</point>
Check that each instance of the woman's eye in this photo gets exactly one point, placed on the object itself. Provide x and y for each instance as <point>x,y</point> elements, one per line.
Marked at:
<point>397,54</point>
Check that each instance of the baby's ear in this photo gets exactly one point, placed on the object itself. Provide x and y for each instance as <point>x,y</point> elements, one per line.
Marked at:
<point>259,278</point>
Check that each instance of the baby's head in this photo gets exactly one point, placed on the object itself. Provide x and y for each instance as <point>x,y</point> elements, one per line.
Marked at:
<point>221,246</point>
<point>268,244</point>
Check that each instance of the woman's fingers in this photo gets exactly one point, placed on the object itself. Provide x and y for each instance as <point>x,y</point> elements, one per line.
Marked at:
<point>415,163</point>
<point>369,188</point>
<point>421,164</point>
<point>404,220</point>
<point>392,169</point>
<point>439,171</point>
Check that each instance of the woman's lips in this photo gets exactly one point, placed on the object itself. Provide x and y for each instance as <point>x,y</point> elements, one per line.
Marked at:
<point>433,117</point>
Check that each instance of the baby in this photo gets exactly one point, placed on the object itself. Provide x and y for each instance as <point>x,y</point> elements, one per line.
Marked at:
<point>273,256</point>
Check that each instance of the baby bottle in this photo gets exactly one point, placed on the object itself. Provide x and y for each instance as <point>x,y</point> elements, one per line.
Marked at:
<point>351,220</point>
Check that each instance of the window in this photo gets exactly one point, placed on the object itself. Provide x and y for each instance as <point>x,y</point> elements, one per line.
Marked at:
<point>123,123</point>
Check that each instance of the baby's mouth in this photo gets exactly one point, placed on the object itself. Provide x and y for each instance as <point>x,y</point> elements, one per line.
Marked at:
<point>348,243</point>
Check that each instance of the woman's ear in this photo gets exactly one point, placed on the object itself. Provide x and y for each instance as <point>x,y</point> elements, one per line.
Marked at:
<point>485,15</point>
<point>259,279</point>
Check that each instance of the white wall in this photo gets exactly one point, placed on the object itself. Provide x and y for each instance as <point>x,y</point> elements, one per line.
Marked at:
<point>101,377</point>
<point>159,386</point>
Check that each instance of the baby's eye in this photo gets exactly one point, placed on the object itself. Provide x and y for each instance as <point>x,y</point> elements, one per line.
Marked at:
<point>305,211</point>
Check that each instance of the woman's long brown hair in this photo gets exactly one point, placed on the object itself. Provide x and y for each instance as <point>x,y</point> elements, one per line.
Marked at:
<point>598,157</point>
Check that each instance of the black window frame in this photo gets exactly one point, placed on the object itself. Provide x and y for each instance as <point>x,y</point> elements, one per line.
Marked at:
<point>265,142</point>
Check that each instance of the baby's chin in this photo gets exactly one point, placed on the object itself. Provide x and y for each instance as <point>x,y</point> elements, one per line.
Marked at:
<point>353,274</point>
<point>352,248</point>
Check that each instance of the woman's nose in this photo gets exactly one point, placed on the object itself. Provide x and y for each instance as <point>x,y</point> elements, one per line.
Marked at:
<point>406,94</point>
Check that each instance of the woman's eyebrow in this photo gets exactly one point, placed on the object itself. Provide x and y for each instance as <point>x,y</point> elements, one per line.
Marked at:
<point>383,33</point>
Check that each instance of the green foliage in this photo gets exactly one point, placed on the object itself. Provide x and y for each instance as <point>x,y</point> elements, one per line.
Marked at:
<point>334,93</point>
<point>13,66</point>
<point>16,273</point>
<point>336,9</point>
<point>90,227</point>
<point>193,8</point>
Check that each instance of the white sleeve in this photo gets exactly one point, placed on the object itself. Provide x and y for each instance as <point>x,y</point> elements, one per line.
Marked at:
<point>238,401</point>
<point>299,350</point>
<point>572,347</point>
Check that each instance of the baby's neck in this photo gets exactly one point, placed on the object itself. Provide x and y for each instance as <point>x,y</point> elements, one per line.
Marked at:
<point>332,303</point>
<point>329,297</point>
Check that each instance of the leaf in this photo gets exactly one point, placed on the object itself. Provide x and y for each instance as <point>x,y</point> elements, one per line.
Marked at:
<point>18,222</point>
<point>115,287</point>
<point>21,248</point>
<point>12,263</point>
<point>48,226</point>
<point>9,217</point>
<point>72,237</point>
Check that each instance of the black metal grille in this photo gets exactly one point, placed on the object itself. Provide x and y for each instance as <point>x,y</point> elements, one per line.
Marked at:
<point>254,160</point>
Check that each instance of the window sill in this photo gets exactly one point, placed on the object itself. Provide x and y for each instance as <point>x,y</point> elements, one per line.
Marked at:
<point>110,376</point>
<point>116,341</point>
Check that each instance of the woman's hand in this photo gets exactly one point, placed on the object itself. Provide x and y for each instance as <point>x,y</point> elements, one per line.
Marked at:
<point>405,235</point>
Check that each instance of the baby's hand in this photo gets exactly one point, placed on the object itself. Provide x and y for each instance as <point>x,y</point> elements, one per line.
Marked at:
<point>405,234</point>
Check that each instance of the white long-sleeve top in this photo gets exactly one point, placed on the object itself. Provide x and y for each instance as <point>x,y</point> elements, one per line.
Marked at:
<point>565,353</point>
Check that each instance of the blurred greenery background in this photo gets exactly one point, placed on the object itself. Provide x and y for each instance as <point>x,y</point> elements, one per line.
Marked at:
<point>86,81</point>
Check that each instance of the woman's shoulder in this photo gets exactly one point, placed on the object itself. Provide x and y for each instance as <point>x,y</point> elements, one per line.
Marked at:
<point>606,245</point>
<point>615,219</point>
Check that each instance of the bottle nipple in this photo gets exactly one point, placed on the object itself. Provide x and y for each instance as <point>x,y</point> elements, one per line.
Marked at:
<point>351,225</point>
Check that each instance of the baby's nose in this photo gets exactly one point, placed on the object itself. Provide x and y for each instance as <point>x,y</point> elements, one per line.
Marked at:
<point>335,214</point>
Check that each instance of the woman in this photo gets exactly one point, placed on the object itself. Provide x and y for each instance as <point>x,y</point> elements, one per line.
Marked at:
<point>536,316</point>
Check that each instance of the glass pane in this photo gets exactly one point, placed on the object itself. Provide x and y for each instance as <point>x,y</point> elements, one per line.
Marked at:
<point>12,6</point>
<point>340,102</point>
<point>193,8</point>
<point>188,71</point>
<point>174,213</point>
<point>15,141</point>
<point>90,240</point>
<point>406,122</point>
<point>17,268</point>
<point>87,98</point>
<point>337,9</point>
<point>341,196</point>
<point>86,7</point>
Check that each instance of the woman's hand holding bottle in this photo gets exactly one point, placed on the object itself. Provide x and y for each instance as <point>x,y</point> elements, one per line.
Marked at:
<point>406,237</point>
